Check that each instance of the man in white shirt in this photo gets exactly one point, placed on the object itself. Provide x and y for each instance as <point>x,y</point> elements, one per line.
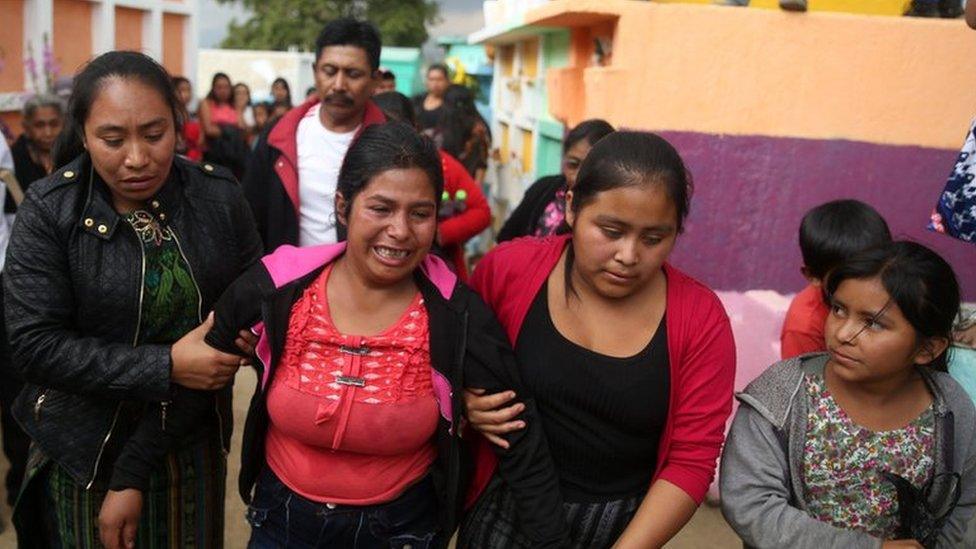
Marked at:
<point>292,176</point>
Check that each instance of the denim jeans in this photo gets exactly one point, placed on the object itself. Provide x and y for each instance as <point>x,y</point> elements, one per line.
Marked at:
<point>281,518</point>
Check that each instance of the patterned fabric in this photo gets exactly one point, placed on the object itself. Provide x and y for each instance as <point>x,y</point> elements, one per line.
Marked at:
<point>183,507</point>
<point>395,366</point>
<point>493,522</point>
<point>553,216</point>
<point>844,464</point>
<point>170,299</point>
<point>955,214</point>
<point>360,407</point>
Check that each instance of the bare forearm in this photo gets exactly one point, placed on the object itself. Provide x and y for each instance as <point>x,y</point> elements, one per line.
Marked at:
<point>209,128</point>
<point>663,513</point>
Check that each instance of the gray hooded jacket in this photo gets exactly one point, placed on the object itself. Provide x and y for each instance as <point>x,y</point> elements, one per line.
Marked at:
<point>763,495</point>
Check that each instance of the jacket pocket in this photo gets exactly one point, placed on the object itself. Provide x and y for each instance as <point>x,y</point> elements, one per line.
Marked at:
<point>269,494</point>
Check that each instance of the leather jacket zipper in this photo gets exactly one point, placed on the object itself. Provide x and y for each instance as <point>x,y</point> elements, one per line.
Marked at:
<point>101,450</point>
<point>38,403</point>
<point>220,418</point>
<point>142,287</point>
<point>135,342</point>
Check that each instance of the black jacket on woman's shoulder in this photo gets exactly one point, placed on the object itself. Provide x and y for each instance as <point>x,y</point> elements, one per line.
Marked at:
<point>525,218</point>
<point>73,282</point>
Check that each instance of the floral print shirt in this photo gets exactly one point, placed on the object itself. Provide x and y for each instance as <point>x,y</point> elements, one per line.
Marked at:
<point>844,464</point>
<point>955,213</point>
<point>553,216</point>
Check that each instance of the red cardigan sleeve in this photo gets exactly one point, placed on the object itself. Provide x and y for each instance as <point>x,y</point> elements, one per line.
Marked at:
<point>795,343</point>
<point>476,217</point>
<point>702,377</point>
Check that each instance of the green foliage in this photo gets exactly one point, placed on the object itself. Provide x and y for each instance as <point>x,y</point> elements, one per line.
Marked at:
<point>278,24</point>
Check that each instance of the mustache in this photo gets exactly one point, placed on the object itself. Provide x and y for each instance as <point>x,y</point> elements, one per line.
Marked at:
<point>340,99</point>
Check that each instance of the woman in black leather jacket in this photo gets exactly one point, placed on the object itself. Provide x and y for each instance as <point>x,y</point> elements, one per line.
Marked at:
<point>113,263</point>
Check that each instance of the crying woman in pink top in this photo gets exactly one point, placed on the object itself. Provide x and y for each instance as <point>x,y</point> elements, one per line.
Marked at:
<point>353,438</point>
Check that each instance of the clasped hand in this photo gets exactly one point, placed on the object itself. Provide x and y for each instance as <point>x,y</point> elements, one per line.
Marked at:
<point>197,365</point>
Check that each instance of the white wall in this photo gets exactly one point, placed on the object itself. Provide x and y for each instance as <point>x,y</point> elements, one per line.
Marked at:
<point>257,69</point>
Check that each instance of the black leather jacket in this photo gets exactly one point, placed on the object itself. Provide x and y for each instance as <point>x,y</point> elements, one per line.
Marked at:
<point>73,281</point>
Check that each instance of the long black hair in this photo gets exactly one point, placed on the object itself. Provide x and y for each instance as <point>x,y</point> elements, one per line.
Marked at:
<point>212,95</point>
<point>591,130</point>
<point>389,146</point>
<point>917,279</point>
<point>87,84</point>
<point>458,119</point>
<point>396,106</point>
<point>283,82</point>
<point>440,67</point>
<point>628,159</point>
<point>836,230</point>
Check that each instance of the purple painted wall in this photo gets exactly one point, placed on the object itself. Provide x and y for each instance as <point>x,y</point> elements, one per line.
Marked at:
<point>752,191</point>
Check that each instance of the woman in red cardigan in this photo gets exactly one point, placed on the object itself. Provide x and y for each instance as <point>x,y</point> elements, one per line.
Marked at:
<point>631,361</point>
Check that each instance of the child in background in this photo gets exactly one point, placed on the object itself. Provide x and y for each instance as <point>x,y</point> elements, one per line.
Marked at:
<point>871,444</point>
<point>190,140</point>
<point>262,115</point>
<point>829,234</point>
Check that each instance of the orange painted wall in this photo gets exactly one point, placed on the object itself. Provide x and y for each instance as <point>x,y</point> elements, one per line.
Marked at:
<point>12,45</point>
<point>173,42</point>
<point>72,34</point>
<point>128,29</point>
<point>717,70</point>
<point>12,120</point>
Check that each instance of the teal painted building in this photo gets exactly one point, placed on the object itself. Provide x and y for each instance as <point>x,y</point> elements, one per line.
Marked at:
<point>527,137</point>
<point>405,63</point>
<point>471,61</point>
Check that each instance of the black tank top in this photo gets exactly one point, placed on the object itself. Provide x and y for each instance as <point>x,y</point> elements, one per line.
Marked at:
<point>603,416</point>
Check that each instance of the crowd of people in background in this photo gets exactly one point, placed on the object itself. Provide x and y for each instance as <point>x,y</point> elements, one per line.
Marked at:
<point>570,391</point>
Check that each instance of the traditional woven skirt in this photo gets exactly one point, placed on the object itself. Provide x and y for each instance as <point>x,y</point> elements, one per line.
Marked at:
<point>493,522</point>
<point>183,506</point>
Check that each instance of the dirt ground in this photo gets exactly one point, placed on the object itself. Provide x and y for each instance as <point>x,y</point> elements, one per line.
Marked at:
<point>706,530</point>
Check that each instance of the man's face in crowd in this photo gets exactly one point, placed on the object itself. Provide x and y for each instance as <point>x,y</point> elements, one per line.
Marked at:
<point>345,81</point>
<point>43,128</point>
<point>386,85</point>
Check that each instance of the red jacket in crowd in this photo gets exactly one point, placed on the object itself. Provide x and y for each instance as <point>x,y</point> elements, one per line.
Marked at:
<point>459,228</point>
